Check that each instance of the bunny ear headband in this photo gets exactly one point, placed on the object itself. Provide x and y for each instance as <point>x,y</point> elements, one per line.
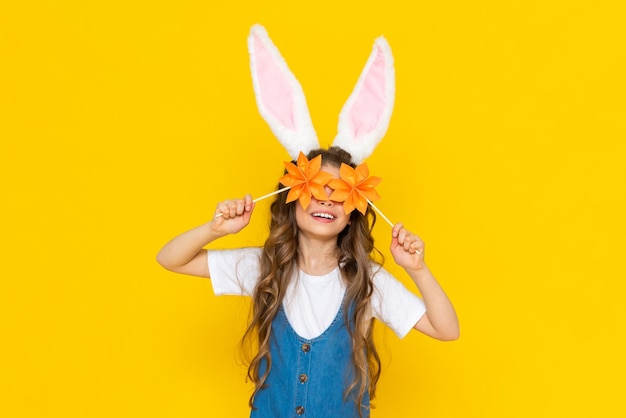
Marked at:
<point>363,122</point>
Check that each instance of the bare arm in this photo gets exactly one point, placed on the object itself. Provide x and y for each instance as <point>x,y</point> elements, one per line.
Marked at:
<point>440,320</point>
<point>185,254</point>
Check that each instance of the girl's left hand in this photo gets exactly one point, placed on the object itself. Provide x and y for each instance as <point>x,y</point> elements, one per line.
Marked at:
<point>407,249</point>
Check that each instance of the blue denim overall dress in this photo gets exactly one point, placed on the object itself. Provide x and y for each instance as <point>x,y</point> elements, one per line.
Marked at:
<point>309,378</point>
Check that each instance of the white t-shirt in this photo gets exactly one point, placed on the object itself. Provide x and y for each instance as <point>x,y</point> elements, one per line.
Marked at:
<point>312,302</point>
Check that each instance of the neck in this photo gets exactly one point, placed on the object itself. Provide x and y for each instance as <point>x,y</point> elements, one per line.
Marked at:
<point>317,257</point>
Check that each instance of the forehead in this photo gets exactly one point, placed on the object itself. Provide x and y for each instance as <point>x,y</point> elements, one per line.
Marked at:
<point>329,168</point>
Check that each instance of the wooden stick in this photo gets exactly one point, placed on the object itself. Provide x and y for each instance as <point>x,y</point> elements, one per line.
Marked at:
<point>388,221</point>
<point>271,194</point>
<point>218,214</point>
<point>380,213</point>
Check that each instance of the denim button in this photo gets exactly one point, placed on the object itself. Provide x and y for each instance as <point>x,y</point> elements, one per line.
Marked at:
<point>306,347</point>
<point>303,378</point>
<point>299,410</point>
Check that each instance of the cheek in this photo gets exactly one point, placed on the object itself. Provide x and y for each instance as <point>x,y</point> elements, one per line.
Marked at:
<point>346,219</point>
<point>299,212</point>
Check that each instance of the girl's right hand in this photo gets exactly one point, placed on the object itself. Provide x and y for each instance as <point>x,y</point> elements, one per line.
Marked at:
<point>231,216</point>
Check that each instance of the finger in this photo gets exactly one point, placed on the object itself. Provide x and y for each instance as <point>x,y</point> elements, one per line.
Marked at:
<point>403,237</point>
<point>248,202</point>
<point>396,229</point>
<point>408,241</point>
<point>241,207</point>
<point>221,209</point>
<point>232,208</point>
<point>413,243</point>
<point>227,209</point>
<point>417,247</point>
<point>413,249</point>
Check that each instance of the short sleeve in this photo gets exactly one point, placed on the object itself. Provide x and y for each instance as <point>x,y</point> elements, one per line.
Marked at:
<point>394,304</point>
<point>234,272</point>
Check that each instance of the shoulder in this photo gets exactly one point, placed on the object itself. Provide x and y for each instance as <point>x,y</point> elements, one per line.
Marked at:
<point>387,288</point>
<point>393,303</point>
<point>244,253</point>
<point>234,271</point>
<point>380,276</point>
<point>247,258</point>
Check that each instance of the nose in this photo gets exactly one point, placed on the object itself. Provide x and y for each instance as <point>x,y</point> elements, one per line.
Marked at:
<point>328,203</point>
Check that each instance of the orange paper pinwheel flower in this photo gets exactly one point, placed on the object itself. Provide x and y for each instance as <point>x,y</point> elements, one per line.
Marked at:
<point>354,188</point>
<point>305,180</point>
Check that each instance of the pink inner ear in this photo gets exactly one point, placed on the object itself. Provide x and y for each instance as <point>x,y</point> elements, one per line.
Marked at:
<point>275,90</point>
<point>370,100</point>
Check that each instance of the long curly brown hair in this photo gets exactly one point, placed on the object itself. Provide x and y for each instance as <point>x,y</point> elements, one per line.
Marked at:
<point>355,246</point>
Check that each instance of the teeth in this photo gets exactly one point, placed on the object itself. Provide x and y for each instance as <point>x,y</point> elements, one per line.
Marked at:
<point>324,215</point>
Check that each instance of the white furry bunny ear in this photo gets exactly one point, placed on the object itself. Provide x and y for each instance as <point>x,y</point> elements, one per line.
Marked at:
<point>279,96</point>
<point>365,117</point>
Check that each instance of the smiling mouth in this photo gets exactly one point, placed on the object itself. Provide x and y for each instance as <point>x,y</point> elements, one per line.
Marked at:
<point>323,215</point>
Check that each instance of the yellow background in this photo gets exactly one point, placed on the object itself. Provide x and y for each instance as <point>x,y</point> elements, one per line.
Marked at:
<point>123,123</point>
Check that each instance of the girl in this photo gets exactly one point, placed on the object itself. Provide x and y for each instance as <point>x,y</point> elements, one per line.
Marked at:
<point>315,292</point>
